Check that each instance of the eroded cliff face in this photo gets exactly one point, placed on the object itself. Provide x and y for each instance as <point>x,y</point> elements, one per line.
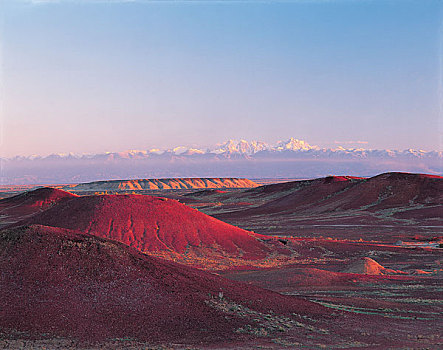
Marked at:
<point>163,184</point>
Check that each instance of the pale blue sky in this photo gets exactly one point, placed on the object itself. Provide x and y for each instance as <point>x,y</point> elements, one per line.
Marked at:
<point>94,76</point>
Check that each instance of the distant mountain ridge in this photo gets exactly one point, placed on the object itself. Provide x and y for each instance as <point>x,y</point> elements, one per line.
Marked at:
<point>162,184</point>
<point>293,158</point>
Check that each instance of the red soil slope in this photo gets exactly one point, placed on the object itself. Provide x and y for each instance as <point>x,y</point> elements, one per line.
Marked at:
<point>393,190</point>
<point>28,203</point>
<point>332,194</point>
<point>279,188</point>
<point>153,224</point>
<point>288,279</point>
<point>67,284</point>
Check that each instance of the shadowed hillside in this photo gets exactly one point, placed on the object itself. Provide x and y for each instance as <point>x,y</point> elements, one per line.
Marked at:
<point>31,202</point>
<point>76,285</point>
<point>401,199</point>
<point>340,193</point>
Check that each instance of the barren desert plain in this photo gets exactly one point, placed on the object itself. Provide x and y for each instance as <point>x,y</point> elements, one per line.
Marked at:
<point>337,262</point>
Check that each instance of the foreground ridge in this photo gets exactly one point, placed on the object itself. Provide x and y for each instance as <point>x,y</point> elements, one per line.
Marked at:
<point>92,289</point>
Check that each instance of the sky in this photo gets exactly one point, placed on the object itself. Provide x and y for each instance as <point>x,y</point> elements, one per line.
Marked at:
<point>95,76</point>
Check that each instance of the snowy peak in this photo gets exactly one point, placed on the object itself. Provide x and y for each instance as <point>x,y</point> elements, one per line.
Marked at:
<point>294,145</point>
<point>252,147</point>
<point>241,147</point>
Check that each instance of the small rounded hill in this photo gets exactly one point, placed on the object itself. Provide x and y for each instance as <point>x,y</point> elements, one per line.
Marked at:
<point>31,202</point>
<point>154,224</point>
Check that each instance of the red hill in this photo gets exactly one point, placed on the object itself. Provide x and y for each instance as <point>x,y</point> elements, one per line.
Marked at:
<point>331,194</point>
<point>31,202</point>
<point>369,266</point>
<point>393,190</point>
<point>296,195</point>
<point>61,283</point>
<point>153,224</point>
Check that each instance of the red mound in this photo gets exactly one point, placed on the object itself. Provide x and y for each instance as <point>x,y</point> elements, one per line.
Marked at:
<point>61,283</point>
<point>153,224</point>
<point>28,203</point>
<point>368,266</point>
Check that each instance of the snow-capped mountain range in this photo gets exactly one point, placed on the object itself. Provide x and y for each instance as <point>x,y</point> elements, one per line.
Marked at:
<point>251,159</point>
<point>243,148</point>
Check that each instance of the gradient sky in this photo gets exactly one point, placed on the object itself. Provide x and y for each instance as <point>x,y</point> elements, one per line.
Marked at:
<point>95,76</point>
